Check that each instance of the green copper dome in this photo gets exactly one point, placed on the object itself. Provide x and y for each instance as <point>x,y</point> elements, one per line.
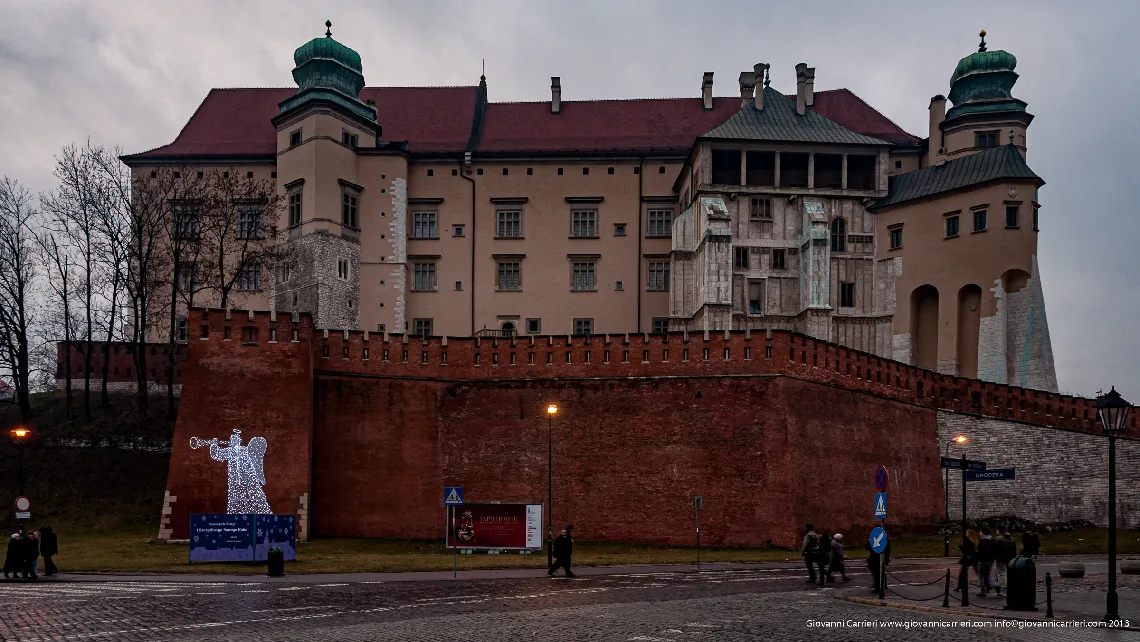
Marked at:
<point>328,70</point>
<point>983,82</point>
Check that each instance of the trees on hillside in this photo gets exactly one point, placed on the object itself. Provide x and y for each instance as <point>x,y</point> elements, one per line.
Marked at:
<point>17,282</point>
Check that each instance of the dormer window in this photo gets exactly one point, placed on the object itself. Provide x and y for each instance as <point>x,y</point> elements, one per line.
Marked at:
<point>295,138</point>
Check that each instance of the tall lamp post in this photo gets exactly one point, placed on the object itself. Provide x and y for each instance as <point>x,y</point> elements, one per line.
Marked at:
<point>551,410</point>
<point>20,436</point>
<point>961,441</point>
<point>1113,411</point>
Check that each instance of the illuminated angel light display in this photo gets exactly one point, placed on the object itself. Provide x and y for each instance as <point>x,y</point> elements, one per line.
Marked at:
<point>246,472</point>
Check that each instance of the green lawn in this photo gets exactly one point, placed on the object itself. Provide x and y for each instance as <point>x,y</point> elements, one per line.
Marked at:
<point>127,551</point>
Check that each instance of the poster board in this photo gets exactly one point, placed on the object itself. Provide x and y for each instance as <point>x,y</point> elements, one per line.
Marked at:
<point>495,526</point>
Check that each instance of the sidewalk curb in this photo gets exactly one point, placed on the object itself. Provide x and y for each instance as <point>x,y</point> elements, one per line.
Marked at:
<point>953,611</point>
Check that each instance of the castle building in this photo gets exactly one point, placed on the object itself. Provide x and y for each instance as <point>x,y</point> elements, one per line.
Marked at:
<point>434,211</point>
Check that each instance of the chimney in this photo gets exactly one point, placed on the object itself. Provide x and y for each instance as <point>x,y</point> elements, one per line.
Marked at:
<point>937,115</point>
<point>809,87</point>
<point>706,90</point>
<point>555,94</point>
<point>759,70</point>
<point>801,88</point>
<point>747,86</point>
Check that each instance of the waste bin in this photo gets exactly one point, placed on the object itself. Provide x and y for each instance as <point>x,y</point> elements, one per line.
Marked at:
<point>1021,585</point>
<point>276,562</point>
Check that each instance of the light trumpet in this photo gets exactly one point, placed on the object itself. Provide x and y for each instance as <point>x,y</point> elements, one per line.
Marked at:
<point>197,442</point>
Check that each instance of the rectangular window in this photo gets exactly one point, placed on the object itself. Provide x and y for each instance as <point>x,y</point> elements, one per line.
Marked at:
<point>985,139</point>
<point>846,295</point>
<point>582,277</point>
<point>658,276</point>
<point>249,278</point>
<point>761,168</point>
<point>187,222</point>
<point>980,221</point>
<point>1035,228</point>
<point>457,230</point>
<point>794,170</point>
<point>250,222</point>
<point>423,277</point>
<point>422,327</point>
<point>619,286</point>
<point>286,273</point>
<point>348,138</point>
<point>423,225</point>
<point>187,276</point>
<point>619,229</point>
<point>951,226</point>
<point>295,138</point>
<point>295,207</point>
<point>761,209</point>
<point>726,166</point>
<point>342,269</point>
<point>778,259</point>
<point>510,276</point>
<point>660,224</point>
<point>741,258</point>
<point>756,297</point>
<point>583,327</point>
<point>508,224</point>
<point>660,325</point>
<point>533,326</point>
<point>896,238</point>
<point>183,332</point>
<point>1012,216</point>
<point>583,223</point>
<point>862,172</point>
<point>348,209</point>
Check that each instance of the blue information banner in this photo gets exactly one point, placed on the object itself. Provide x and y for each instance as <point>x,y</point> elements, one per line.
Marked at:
<point>241,538</point>
<point>995,474</point>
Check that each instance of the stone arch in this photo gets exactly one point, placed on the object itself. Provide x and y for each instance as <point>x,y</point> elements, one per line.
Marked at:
<point>924,326</point>
<point>839,235</point>
<point>1014,280</point>
<point>969,329</point>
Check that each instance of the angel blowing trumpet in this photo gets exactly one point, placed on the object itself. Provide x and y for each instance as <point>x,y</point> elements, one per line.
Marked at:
<point>246,472</point>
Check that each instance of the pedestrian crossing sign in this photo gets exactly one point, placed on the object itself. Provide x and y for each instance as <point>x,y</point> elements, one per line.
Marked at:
<point>452,495</point>
<point>880,505</point>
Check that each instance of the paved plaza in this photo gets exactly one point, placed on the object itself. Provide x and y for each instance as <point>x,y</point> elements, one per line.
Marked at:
<point>759,603</point>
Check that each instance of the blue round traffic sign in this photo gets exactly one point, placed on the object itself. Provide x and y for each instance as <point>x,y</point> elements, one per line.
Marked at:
<point>881,478</point>
<point>878,540</point>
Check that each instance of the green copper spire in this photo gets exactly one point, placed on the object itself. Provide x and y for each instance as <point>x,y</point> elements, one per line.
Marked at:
<point>983,82</point>
<point>328,70</point>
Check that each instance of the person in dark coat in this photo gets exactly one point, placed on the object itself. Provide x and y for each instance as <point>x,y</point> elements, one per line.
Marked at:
<point>968,559</point>
<point>1030,544</point>
<point>49,545</point>
<point>31,555</point>
<point>13,557</point>
<point>563,550</point>
<point>823,557</point>
<point>987,554</point>
<point>873,561</point>
<point>810,552</point>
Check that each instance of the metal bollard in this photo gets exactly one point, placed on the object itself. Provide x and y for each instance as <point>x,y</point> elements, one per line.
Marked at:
<point>965,582</point>
<point>1048,595</point>
<point>946,593</point>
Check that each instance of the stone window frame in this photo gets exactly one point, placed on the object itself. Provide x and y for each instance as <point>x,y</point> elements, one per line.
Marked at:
<point>659,223</point>
<point>657,323</point>
<point>189,283</point>
<point>348,139</point>
<point>249,277</point>
<point>503,222</point>
<point>350,205</point>
<point>741,259</point>
<point>343,269</point>
<point>425,277</point>
<point>584,223</point>
<point>458,230</point>
<point>295,137</point>
<point>846,294</point>
<point>619,229</point>
<point>295,201</point>
<point>584,273</point>
<point>760,208</point>
<point>1013,207</point>
<point>534,326</point>
<point>250,219</point>
<point>981,220</point>
<point>982,138</point>
<point>895,236</point>
<point>838,231</point>
<point>503,269</point>
<point>286,273</point>
<point>583,326</point>
<point>658,274</point>
<point>423,327</point>
<point>780,257</point>
<point>432,224</point>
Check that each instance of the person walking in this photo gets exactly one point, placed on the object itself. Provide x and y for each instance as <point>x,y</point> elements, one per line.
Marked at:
<point>1030,544</point>
<point>987,553</point>
<point>31,556</point>
<point>563,550</point>
<point>1006,551</point>
<point>49,546</point>
<point>810,551</point>
<point>873,562</point>
<point>969,558</point>
<point>823,557</point>
<point>13,556</point>
<point>837,559</point>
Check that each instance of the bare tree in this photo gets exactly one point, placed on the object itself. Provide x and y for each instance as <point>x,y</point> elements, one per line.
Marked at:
<point>17,276</point>
<point>113,250</point>
<point>61,277</point>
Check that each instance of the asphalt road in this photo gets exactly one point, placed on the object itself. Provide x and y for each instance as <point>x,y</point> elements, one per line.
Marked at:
<point>740,604</point>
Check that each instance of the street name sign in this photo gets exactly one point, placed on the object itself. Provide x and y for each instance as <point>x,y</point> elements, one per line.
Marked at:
<point>880,505</point>
<point>996,474</point>
<point>971,464</point>
<point>878,540</point>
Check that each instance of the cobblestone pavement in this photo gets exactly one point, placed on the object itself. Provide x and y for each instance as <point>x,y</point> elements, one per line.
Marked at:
<point>764,604</point>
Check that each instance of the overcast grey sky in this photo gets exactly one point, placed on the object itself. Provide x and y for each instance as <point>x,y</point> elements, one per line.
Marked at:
<point>131,73</point>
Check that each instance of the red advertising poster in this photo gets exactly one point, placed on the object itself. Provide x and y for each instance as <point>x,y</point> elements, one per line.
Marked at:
<point>495,526</point>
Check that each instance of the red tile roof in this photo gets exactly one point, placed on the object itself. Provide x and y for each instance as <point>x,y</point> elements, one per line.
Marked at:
<point>236,122</point>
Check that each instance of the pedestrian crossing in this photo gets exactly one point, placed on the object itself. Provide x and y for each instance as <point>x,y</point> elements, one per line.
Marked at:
<point>26,590</point>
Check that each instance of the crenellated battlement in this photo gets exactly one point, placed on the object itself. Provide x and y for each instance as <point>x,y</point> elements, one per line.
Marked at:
<point>677,354</point>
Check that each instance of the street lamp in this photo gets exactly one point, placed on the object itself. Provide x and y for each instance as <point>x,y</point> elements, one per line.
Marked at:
<point>20,436</point>
<point>1113,411</point>
<point>551,410</point>
<point>961,441</point>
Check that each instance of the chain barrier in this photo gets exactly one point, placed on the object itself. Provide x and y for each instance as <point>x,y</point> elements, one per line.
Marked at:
<point>916,599</point>
<point>941,578</point>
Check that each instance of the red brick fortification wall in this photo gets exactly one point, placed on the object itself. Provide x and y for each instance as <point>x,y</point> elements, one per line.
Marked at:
<point>767,453</point>
<point>240,376</point>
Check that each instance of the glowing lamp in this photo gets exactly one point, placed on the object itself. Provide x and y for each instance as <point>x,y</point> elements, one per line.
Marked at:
<point>961,439</point>
<point>552,410</point>
<point>20,433</point>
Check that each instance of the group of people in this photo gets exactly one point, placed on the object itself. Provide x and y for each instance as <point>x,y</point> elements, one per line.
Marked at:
<point>989,555</point>
<point>823,551</point>
<point>23,555</point>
